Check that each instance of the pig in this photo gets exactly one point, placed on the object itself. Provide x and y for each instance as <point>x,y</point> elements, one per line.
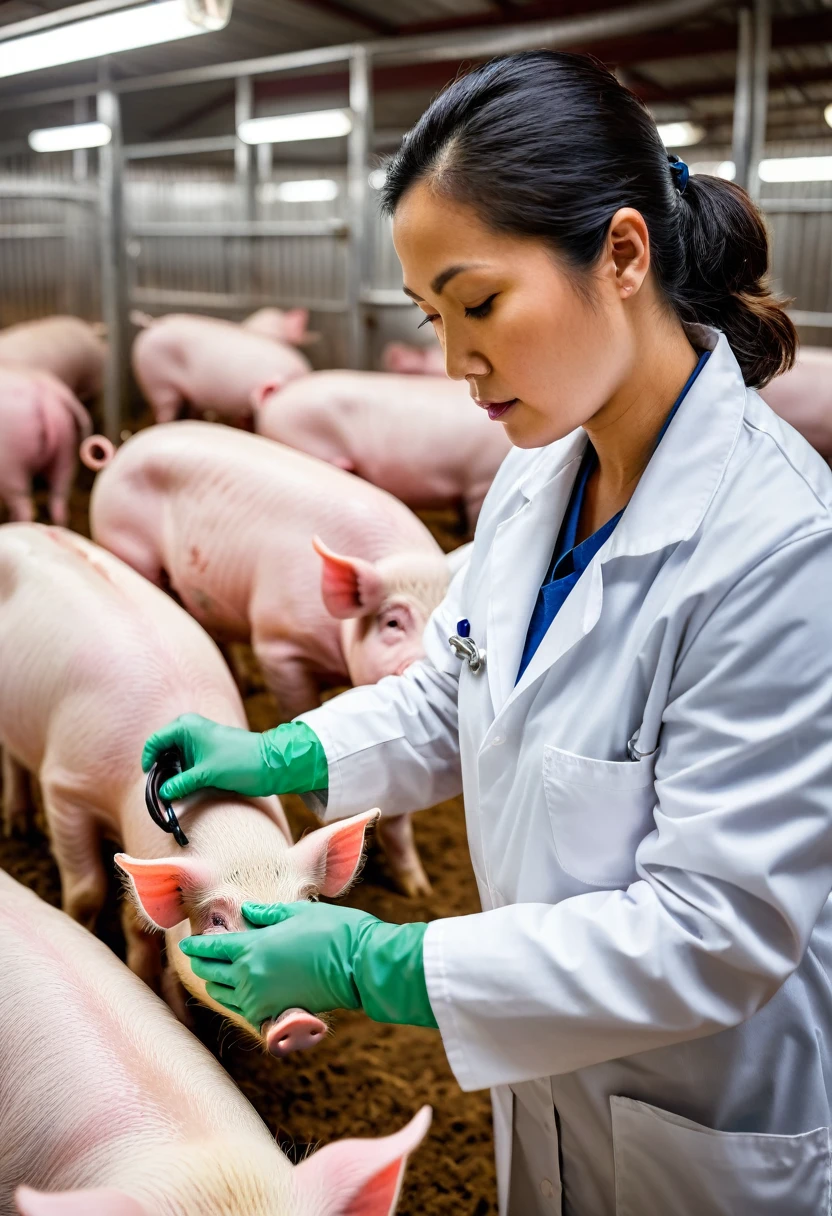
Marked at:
<point>281,325</point>
<point>413,360</point>
<point>803,396</point>
<point>68,347</point>
<point>41,420</point>
<point>420,438</point>
<point>234,523</point>
<point>109,1107</point>
<point>209,365</point>
<point>94,659</point>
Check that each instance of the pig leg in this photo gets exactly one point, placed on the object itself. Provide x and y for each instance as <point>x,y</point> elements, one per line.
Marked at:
<point>166,402</point>
<point>395,835</point>
<point>144,948</point>
<point>287,678</point>
<point>16,802</point>
<point>76,847</point>
<point>175,995</point>
<point>21,507</point>
<point>60,475</point>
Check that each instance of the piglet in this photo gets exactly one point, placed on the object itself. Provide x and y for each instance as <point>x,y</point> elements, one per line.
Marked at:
<point>421,438</point>
<point>413,360</point>
<point>109,1107</point>
<point>94,659</point>
<point>330,578</point>
<point>41,421</point>
<point>208,365</point>
<point>68,347</point>
<point>281,325</point>
<point>803,396</point>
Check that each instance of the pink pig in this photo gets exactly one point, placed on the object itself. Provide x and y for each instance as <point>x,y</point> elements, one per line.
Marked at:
<point>281,325</point>
<point>108,1107</point>
<point>421,438</point>
<point>68,347</point>
<point>803,396</point>
<point>231,519</point>
<point>413,360</point>
<point>209,365</point>
<point>94,659</point>
<point>40,423</point>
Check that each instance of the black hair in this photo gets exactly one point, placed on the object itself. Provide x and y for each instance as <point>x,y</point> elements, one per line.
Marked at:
<point>549,144</point>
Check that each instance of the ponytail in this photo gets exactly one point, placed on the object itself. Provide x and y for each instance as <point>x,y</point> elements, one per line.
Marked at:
<point>726,282</point>
<point>549,144</point>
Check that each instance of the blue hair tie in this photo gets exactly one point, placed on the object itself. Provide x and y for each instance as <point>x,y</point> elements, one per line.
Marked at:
<point>679,172</point>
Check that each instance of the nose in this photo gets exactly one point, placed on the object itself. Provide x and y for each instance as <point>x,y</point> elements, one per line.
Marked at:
<point>462,363</point>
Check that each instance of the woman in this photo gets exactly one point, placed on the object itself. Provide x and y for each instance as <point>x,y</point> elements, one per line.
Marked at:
<point>645,747</point>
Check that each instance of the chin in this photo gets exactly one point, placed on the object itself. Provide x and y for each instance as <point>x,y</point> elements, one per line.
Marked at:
<point>533,435</point>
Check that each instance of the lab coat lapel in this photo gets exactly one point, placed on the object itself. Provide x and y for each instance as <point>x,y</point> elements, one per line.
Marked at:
<point>520,555</point>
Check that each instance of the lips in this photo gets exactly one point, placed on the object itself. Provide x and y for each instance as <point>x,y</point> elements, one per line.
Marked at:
<point>497,409</point>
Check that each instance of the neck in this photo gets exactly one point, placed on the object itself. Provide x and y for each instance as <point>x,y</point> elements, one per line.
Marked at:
<point>625,429</point>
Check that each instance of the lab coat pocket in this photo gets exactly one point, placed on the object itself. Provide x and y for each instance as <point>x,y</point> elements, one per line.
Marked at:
<point>664,1163</point>
<point>600,811</point>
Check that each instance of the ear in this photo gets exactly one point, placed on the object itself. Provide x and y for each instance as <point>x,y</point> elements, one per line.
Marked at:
<point>260,395</point>
<point>361,1177</point>
<point>629,245</point>
<point>350,586</point>
<point>331,856</point>
<point>295,321</point>
<point>163,888</point>
<point>76,1203</point>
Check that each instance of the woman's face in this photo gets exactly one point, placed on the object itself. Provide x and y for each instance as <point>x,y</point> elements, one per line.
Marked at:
<point>539,355</point>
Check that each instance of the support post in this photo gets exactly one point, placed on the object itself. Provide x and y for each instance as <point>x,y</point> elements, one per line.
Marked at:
<point>80,157</point>
<point>113,256</point>
<point>751,94</point>
<point>358,193</point>
<point>244,153</point>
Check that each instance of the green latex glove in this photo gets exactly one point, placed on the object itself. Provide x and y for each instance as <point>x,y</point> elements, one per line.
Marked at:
<point>315,957</point>
<point>287,760</point>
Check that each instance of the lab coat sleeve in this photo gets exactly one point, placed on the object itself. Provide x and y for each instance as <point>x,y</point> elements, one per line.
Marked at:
<point>395,744</point>
<point>731,881</point>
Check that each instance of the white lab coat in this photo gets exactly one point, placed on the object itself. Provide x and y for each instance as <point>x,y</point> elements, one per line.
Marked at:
<point>648,990</point>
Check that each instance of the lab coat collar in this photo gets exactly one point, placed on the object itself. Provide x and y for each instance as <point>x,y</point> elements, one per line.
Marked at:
<point>668,506</point>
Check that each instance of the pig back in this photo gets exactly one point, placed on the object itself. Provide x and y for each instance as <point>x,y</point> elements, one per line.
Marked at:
<point>93,1066</point>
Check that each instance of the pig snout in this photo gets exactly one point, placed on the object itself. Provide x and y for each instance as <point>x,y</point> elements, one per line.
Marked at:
<point>294,1030</point>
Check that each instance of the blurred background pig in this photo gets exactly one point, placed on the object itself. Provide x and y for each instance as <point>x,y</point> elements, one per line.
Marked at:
<point>413,360</point>
<point>420,438</point>
<point>231,520</point>
<point>803,396</point>
<point>109,1107</point>
<point>68,347</point>
<point>94,659</point>
<point>41,421</point>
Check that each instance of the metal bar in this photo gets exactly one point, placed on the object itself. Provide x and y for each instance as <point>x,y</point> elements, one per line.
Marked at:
<point>240,228</point>
<point>210,301</point>
<point>787,206</point>
<point>821,320</point>
<point>80,156</point>
<point>358,190</point>
<point>385,297</point>
<point>743,115</point>
<point>565,32</point>
<point>34,232</point>
<point>46,189</point>
<point>63,16</point>
<point>113,255</point>
<point>181,147</point>
<point>761,34</point>
<point>243,152</point>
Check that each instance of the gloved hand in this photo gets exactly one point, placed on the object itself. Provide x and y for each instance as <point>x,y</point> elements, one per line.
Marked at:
<point>287,760</point>
<point>316,957</point>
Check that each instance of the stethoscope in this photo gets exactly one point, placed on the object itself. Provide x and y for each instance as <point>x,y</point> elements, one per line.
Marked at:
<point>465,648</point>
<point>168,764</point>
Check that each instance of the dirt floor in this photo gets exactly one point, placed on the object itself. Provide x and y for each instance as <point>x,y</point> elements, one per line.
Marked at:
<point>366,1079</point>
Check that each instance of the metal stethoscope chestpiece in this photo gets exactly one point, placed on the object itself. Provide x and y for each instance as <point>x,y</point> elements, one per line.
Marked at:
<point>464,647</point>
<point>167,765</point>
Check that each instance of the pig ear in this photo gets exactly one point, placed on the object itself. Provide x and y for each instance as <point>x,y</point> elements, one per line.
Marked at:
<point>163,888</point>
<point>332,856</point>
<point>76,1203</point>
<point>295,321</point>
<point>350,586</point>
<point>361,1177</point>
<point>260,395</point>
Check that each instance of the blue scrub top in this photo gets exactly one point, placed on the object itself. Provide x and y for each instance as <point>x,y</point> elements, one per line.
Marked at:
<point>570,560</point>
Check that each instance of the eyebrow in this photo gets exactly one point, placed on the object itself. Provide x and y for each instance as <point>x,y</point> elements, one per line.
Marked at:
<point>442,278</point>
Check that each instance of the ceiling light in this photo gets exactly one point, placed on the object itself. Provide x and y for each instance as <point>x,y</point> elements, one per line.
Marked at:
<point>147,25</point>
<point>67,139</point>
<point>796,169</point>
<point>680,134</point>
<point>286,128</point>
<point>377,179</point>
<point>315,190</point>
<point>726,169</point>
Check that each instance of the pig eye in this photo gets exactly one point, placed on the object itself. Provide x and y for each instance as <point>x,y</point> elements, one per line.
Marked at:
<point>392,622</point>
<point>218,922</point>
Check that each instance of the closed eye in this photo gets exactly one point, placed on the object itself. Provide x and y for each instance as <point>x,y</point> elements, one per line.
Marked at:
<point>481,310</point>
<point>434,316</point>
